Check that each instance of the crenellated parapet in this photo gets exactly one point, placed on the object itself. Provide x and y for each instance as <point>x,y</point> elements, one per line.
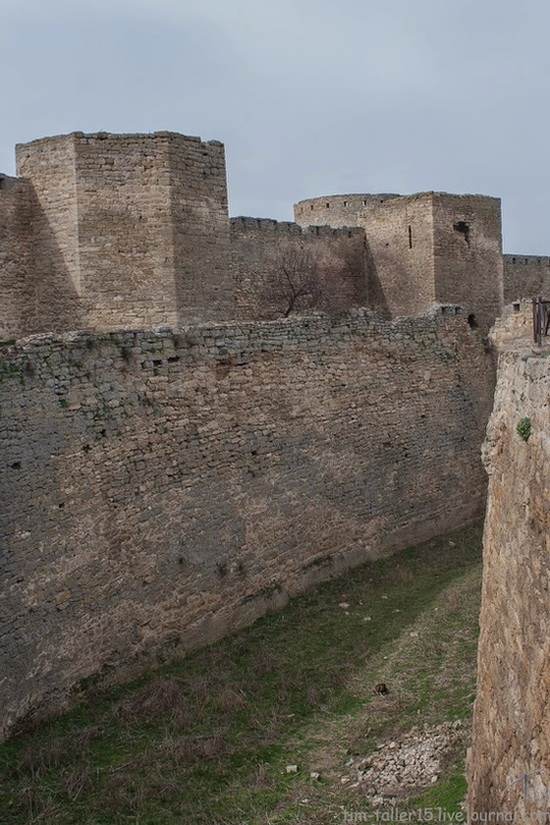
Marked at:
<point>128,231</point>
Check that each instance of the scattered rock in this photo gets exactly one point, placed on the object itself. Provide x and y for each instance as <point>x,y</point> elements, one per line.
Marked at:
<point>315,776</point>
<point>343,605</point>
<point>406,765</point>
<point>292,768</point>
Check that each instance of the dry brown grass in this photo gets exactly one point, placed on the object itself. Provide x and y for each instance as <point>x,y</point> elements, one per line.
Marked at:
<point>229,699</point>
<point>187,750</point>
<point>76,781</point>
<point>161,696</point>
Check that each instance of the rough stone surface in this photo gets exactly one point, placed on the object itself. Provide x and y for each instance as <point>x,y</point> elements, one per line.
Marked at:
<point>526,276</point>
<point>160,489</point>
<point>272,259</point>
<point>407,765</point>
<point>468,255</point>
<point>509,764</point>
<point>134,227</point>
<point>335,210</point>
<point>104,232</point>
<point>424,248</point>
<point>15,255</point>
<point>400,249</point>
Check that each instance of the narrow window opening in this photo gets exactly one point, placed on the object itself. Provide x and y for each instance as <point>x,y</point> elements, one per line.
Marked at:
<point>364,203</point>
<point>472,323</point>
<point>463,227</point>
<point>327,205</point>
<point>311,207</point>
<point>345,203</point>
<point>517,307</point>
<point>513,260</point>
<point>2,182</point>
<point>410,237</point>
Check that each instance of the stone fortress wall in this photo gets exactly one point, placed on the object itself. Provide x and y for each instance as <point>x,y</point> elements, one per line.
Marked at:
<point>103,231</point>
<point>17,288</point>
<point>117,216</point>
<point>424,249</point>
<point>336,210</point>
<point>509,762</point>
<point>526,275</point>
<point>267,254</point>
<point>162,488</point>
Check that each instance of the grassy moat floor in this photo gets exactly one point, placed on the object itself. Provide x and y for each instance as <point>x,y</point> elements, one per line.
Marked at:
<point>207,741</point>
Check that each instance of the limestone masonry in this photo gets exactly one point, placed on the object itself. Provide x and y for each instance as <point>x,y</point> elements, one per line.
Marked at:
<point>103,232</point>
<point>509,764</point>
<point>202,416</point>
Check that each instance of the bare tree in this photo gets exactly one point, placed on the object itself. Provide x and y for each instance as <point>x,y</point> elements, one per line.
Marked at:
<point>298,282</point>
<point>295,284</point>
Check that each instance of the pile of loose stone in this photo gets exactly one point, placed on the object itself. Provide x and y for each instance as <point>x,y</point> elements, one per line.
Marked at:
<point>402,766</point>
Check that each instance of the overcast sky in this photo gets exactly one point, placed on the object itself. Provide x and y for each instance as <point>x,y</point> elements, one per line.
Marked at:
<point>310,97</point>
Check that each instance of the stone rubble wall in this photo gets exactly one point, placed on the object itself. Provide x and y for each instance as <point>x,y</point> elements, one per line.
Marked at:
<point>162,489</point>
<point>526,276</point>
<point>468,265</point>
<point>400,254</point>
<point>509,763</point>
<point>335,210</point>
<point>17,305</point>
<point>262,249</point>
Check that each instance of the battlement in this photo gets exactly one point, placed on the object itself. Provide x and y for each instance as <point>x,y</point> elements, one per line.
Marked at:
<point>335,210</point>
<point>245,224</point>
<point>526,276</point>
<point>107,231</point>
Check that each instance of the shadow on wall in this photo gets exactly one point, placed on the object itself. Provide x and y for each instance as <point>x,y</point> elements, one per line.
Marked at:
<point>376,298</point>
<point>282,269</point>
<point>53,302</point>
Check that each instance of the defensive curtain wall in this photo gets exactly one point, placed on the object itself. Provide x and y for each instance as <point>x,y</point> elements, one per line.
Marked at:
<point>103,232</point>
<point>509,763</point>
<point>526,276</point>
<point>161,489</point>
<point>282,266</point>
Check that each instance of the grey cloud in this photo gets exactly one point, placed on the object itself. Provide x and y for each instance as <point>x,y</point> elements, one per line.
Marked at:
<point>310,97</point>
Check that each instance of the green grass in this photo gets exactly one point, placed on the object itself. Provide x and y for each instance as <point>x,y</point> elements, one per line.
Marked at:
<point>207,739</point>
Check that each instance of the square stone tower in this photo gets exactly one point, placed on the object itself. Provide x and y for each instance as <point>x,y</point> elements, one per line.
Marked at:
<point>423,249</point>
<point>136,226</point>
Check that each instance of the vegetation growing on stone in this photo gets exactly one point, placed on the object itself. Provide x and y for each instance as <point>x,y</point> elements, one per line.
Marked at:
<point>524,428</point>
<point>208,739</point>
